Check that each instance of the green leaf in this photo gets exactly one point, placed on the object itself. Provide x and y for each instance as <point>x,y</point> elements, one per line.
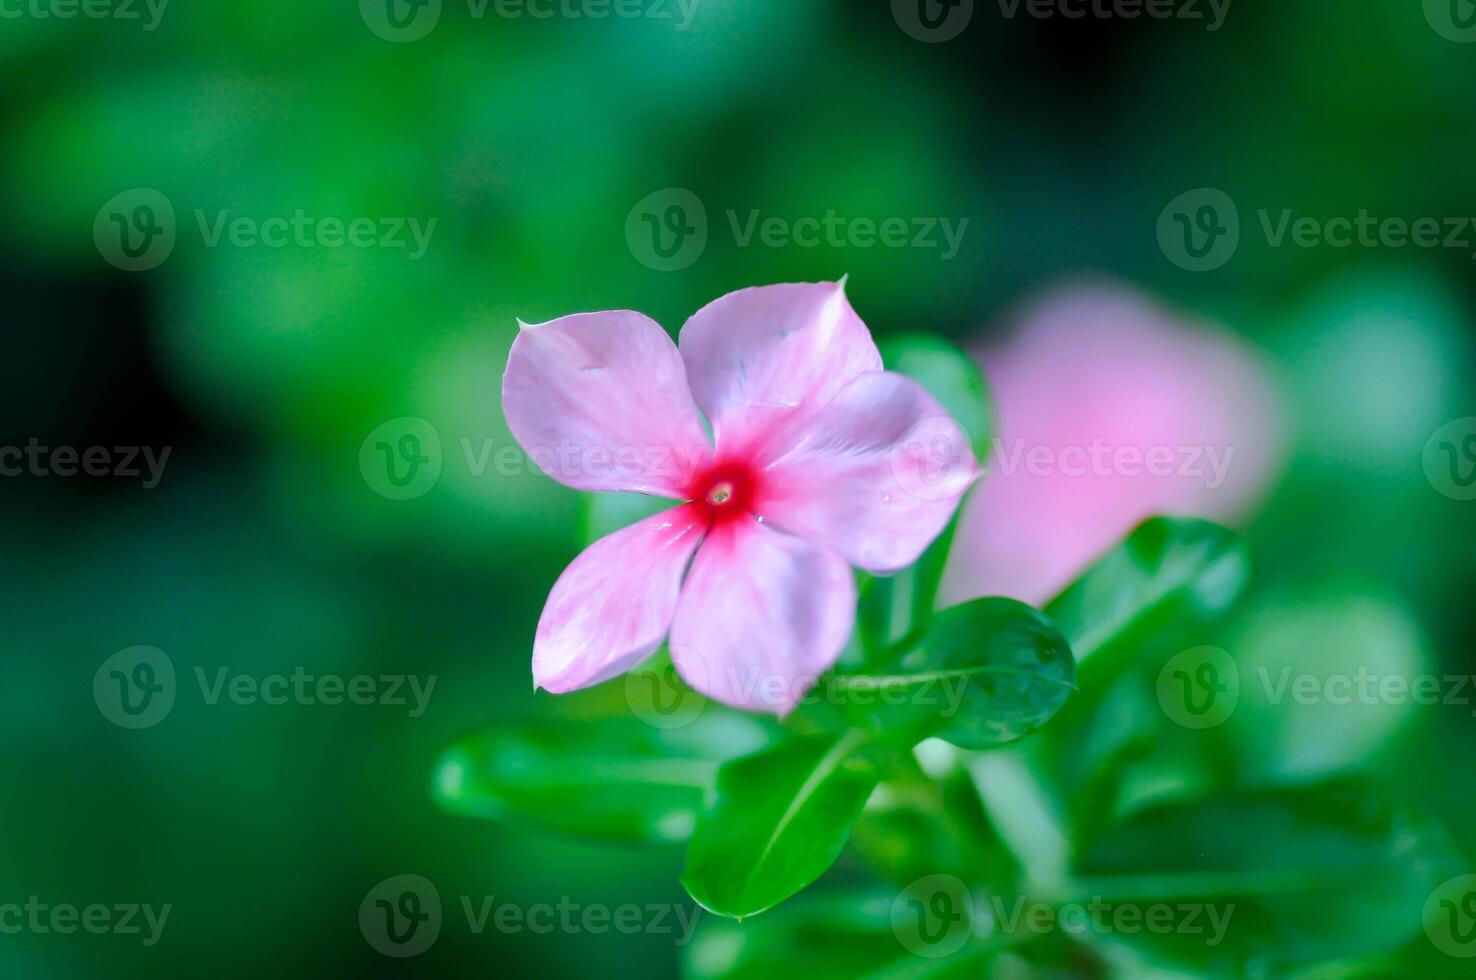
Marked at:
<point>844,936</point>
<point>903,604</point>
<point>1024,809</point>
<point>778,820</point>
<point>1347,645</point>
<point>1301,875</point>
<point>988,671</point>
<point>950,376</point>
<point>617,779</point>
<point>1168,571</point>
<point>875,605</point>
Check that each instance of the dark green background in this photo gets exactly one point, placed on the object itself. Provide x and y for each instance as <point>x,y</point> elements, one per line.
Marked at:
<point>530,141</point>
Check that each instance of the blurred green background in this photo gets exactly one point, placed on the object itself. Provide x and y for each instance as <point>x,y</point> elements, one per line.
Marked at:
<point>530,141</point>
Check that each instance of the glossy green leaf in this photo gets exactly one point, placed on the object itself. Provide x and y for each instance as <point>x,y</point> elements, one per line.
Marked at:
<point>988,671</point>
<point>834,936</point>
<point>1297,876</point>
<point>927,818</point>
<point>1169,570</point>
<point>825,936</point>
<point>778,820</point>
<point>617,779</point>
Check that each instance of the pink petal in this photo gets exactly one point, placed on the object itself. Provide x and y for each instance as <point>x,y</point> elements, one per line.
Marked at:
<point>612,606</point>
<point>762,615</point>
<point>756,355</point>
<point>600,402</point>
<point>876,474</point>
<point>1104,367</point>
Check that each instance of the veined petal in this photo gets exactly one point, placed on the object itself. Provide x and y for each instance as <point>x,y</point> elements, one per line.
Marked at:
<point>762,615</point>
<point>600,402</point>
<point>612,606</point>
<point>876,474</point>
<point>757,355</point>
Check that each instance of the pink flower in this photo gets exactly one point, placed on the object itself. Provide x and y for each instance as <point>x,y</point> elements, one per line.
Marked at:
<point>1111,410</point>
<point>821,461</point>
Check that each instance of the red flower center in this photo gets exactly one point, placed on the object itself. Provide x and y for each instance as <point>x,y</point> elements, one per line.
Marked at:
<point>724,491</point>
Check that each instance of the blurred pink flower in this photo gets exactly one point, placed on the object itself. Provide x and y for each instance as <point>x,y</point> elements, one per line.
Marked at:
<point>818,465</point>
<point>1111,410</point>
